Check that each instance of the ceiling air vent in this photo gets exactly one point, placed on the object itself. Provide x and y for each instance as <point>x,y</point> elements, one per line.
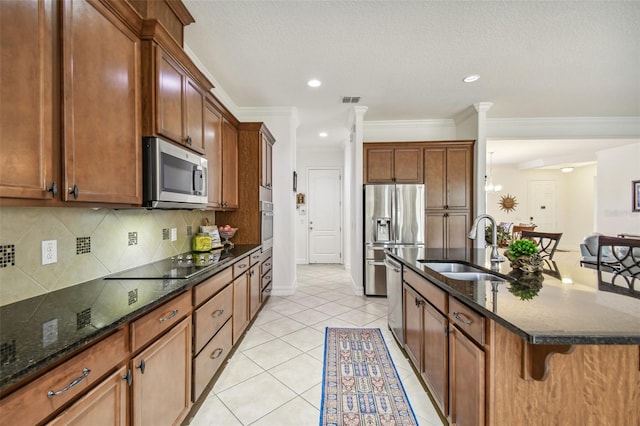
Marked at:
<point>350,99</point>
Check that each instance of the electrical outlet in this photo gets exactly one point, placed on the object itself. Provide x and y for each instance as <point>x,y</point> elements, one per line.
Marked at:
<point>49,252</point>
<point>174,234</point>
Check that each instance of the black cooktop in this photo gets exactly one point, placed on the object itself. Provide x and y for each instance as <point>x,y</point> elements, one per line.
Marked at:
<point>181,266</point>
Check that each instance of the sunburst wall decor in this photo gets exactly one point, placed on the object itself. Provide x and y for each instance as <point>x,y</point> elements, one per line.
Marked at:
<point>508,203</point>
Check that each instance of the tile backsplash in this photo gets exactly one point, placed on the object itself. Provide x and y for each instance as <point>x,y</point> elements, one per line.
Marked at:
<point>91,243</point>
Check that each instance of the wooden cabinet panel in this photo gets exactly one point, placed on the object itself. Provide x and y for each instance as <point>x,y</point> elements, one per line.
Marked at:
<point>466,319</point>
<point>106,404</point>
<point>211,286</point>
<point>83,369</point>
<point>101,113</point>
<point>213,152</point>
<point>26,105</point>
<point>229,165</point>
<point>161,386</point>
<point>436,296</point>
<point>266,157</point>
<point>240,306</point>
<point>435,178</point>
<point>379,165</point>
<point>194,116</point>
<point>448,177</point>
<point>467,364</point>
<point>207,363</point>
<point>388,165</point>
<point>255,281</point>
<point>241,266</point>
<point>435,370</point>
<point>459,170</point>
<point>145,329</point>
<point>412,312</point>
<point>211,316</point>
<point>170,94</point>
<point>435,230</point>
<point>457,229</point>
<point>407,165</point>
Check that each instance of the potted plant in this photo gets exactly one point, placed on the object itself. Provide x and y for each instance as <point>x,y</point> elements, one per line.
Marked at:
<point>523,255</point>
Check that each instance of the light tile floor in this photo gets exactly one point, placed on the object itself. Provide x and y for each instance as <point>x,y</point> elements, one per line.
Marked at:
<point>275,376</point>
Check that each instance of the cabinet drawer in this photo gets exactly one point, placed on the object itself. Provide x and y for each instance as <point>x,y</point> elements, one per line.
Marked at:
<point>467,320</point>
<point>266,292</point>
<point>240,267</point>
<point>211,286</point>
<point>434,295</point>
<point>265,280</point>
<point>265,266</point>
<point>143,330</point>
<point>210,317</point>
<point>210,359</point>
<point>265,255</point>
<point>32,403</point>
<point>255,257</point>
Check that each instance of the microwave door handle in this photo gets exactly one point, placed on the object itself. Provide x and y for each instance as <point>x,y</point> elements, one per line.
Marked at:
<point>198,180</point>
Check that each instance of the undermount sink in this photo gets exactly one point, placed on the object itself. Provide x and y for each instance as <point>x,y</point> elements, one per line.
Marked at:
<point>472,276</point>
<point>462,271</point>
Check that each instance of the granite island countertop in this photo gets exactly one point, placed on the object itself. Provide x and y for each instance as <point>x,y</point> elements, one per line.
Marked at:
<point>39,331</point>
<point>568,308</point>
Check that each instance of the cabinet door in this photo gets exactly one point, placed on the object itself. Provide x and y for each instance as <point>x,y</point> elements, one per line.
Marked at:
<point>457,229</point>
<point>379,165</point>
<point>435,178</point>
<point>101,148</point>
<point>265,163</point>
<point>170,95</point>
<point>194,116</point>
<point>213,152</point>
<point>240,306</point>
<point>435,229</point>
<point>436,356</point>
<point>254,289</point>
<point>407,165</point>
<point>229,165</point>
<point>26,104</point>
<point>106,404</point>
<point>412,325</point>
<point>459,178</point>
<point>162,379</point>
<point>467,380</point>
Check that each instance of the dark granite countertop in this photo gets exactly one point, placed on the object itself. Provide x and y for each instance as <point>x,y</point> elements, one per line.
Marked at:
<point>41,330</point>
<point>568,308</point>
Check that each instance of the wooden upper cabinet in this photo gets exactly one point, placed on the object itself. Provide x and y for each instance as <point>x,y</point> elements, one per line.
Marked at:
<point>229,165</point>
<point>26,105</point>
<point>447,177</point>
<point>101,106</point>
<point>266,158</point>
<point>180,102</point>
<point>393,165</point>
<point>213,152</point>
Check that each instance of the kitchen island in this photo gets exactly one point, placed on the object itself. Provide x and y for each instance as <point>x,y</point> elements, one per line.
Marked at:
<point>556,351</point>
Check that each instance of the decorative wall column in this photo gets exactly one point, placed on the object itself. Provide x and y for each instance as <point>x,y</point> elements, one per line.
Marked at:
<point>356,125</point>
<point>480,196</point>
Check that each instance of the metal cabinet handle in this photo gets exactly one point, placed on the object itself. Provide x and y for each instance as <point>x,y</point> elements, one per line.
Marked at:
<point>74,382</point>
<point>75,191</point>
<point>53,189</point>
<point>459,317</point>
<point>141,366</point>
<point>242,266</point>
<point>217,313</point>
<point>268,290</point>
<point>216,354</point>
<point>189,141</point>
<point>128,377</point>
<point>171,315</point>
<point>267,264</point>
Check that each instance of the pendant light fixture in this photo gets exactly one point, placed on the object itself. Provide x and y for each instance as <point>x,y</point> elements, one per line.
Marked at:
<point>488,180</point>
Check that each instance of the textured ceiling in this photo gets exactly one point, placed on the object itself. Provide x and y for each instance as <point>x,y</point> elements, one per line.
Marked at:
<point>406,59</point>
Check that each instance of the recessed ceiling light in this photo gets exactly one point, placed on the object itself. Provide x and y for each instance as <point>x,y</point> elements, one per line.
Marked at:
<point>314,83</point>
<point>566,169</point>
<point>323,134</point>
<point>471,78</point>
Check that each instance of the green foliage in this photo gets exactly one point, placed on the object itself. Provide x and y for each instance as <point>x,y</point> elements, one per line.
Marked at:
<point>521,247</point>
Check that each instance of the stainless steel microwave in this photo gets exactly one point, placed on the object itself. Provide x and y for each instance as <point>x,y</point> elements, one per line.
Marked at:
<point>173,177</point>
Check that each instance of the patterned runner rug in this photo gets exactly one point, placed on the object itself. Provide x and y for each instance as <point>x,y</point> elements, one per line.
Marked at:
<point>360,384</point>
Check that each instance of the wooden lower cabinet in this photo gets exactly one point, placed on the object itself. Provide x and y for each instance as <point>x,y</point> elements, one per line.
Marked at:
<point>105,405</point>
<point>209,360</point>
<point>412,312</point>
<point>255,301</point>
<point>467,365</point>
<point>161,387</point>
<point>240,306</point>
<point>435,367</point>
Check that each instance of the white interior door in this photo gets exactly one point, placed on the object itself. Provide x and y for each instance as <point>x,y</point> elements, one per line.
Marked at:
<point>542,205</point>
<point>325,216</point>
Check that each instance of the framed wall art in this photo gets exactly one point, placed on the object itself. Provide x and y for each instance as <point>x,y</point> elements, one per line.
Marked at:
<point>635,187</point>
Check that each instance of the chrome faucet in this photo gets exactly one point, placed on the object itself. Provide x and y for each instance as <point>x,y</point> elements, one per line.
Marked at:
<point>495,256</point>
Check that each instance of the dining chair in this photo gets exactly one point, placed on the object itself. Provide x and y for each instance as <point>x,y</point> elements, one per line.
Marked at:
<point>547,242</point>
<point>516,231</point>
<point>619,265</point>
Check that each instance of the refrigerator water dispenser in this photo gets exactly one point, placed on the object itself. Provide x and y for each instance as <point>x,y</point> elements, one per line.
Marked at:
<point>383,229</point>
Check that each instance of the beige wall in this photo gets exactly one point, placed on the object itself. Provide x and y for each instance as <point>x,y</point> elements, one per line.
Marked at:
<point>111,249</point>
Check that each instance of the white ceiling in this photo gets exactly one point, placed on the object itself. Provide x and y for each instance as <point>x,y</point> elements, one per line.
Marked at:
<point>407,59</point>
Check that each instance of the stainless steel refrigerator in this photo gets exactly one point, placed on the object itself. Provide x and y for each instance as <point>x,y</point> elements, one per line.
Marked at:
<point>393,216</point>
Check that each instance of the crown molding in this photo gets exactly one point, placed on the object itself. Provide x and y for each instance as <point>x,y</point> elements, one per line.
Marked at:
<point>563,127</point>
